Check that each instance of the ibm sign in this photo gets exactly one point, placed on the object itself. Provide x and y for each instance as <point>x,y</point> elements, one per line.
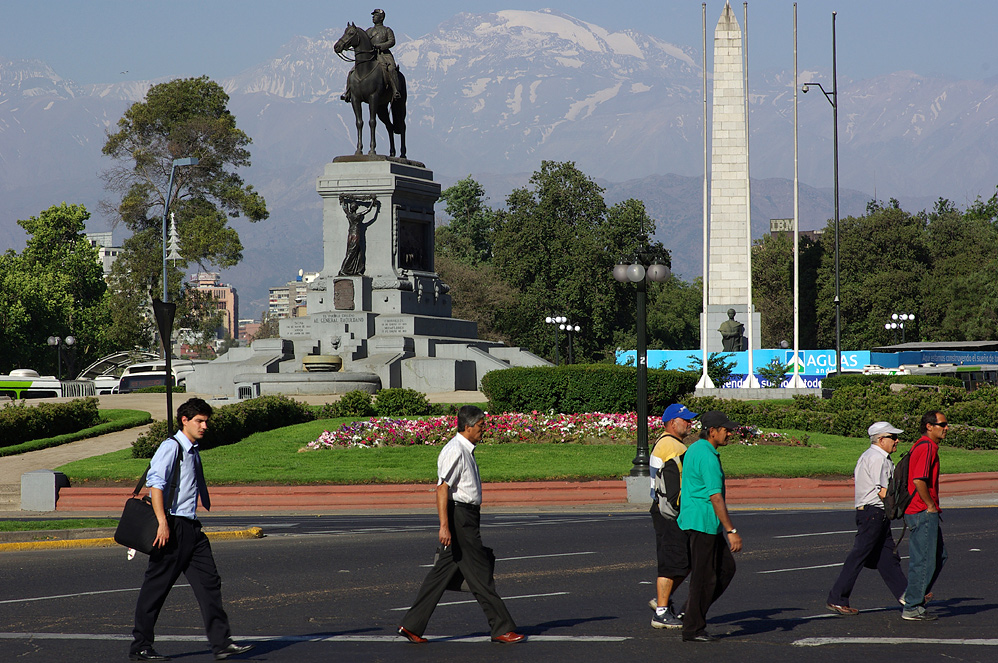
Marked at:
<point>781,225</point>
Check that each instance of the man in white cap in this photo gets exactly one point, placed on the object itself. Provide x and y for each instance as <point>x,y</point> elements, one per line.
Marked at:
<point>671,543</point>
<point>874,544</point>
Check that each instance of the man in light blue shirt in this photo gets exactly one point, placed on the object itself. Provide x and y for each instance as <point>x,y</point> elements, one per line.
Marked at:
<point>181,546</point>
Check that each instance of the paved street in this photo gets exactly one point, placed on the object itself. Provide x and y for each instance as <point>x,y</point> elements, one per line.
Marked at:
<point>324,588</point>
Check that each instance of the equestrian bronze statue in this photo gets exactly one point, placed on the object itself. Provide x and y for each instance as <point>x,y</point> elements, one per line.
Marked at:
<point>374,80</point>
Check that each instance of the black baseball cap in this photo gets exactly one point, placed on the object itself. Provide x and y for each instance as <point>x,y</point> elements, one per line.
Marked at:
<point>715,419</point>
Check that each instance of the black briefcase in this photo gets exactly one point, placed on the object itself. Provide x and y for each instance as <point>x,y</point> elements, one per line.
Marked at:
<point>458,582</point>
<point>138,524</point>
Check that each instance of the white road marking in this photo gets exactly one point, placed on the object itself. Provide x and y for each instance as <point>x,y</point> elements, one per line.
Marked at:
<point>801,568</point>
<point>507,559</point>
<point>817,642</point>
<point>69,596</point>
<point>797,536</point>
<point>305,638</point>
<point>505,598</point>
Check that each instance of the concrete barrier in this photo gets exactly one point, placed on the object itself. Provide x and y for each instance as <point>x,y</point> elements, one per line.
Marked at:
<point>40,489</point>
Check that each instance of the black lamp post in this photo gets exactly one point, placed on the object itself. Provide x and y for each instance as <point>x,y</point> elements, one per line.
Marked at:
<point>833,99</point>
<point>644,266</point>
<point>58,342</point>
<point>165,310</point>
<point>570,329</point>
<point>559,323</point>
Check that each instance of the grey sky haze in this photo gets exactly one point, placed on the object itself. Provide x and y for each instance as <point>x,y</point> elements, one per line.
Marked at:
<point>107,41</point>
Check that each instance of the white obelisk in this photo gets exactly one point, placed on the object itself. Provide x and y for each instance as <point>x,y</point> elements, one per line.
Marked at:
<point>729,252</point>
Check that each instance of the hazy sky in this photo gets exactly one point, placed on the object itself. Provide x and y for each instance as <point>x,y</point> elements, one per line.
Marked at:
<point>105,41</point>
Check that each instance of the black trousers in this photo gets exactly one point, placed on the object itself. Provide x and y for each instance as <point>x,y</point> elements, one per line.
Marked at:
<point>712,566</point>
<point>466,555</point>
<point>187,552</point>
<point>873,548</point>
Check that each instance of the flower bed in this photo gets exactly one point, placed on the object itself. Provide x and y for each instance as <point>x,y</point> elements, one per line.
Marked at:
<point>510,427</point>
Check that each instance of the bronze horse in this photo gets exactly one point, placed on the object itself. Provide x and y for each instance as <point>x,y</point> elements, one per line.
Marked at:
<point>366,84</point>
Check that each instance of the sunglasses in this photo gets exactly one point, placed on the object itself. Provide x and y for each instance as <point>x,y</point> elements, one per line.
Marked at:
<point>941,424</point>
<point>893,436</point>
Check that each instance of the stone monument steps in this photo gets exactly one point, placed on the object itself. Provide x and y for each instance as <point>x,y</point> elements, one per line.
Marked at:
<point>10,497</point>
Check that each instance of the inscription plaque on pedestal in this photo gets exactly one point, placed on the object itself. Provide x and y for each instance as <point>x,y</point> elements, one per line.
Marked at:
<point>343,296</point>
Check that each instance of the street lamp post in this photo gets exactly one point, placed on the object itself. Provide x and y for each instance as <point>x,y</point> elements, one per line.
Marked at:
<point>569,329</point>
<point>644,266</point>
<point>833,99</point>
<point>559,323</point>
<point>58,342</point>
<point>897,322</point>
<point>165,310</point>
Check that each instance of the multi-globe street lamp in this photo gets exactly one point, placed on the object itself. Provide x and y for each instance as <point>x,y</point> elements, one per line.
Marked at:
<point>645,265</point>
<point>58,342</point>
<point>897,322</point>
<point>833,99</point>
<point>570,329</point>
<point>559,323</point>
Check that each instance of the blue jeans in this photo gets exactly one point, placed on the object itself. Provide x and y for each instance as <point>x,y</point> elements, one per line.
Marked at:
<point>927,554</point>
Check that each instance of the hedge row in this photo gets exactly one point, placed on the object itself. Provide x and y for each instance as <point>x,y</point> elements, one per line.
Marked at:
<point>582,388</point>
<point>231,423</point>
<point>21,423</point>
<point>851,410</point>
<point>848,379</point>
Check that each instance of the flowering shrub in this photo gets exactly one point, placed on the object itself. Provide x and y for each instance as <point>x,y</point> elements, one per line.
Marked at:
<point>533,427</point>
<point>513,427</point>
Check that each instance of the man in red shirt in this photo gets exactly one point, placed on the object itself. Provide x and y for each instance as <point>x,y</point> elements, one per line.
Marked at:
<point>926,551</point>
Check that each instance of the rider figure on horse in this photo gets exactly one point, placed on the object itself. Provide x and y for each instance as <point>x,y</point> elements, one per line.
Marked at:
<point>382,38</point>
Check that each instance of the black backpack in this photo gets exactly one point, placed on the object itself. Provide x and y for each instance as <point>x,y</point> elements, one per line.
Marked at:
<point>898,498</point>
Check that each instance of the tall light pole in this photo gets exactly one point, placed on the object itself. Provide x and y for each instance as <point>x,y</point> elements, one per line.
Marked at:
<point>833,99</point>
<point>58,342</point>
<point>165,310</point>
<point>646,265</point>
<point>570,329</point>
<point>187,161</point>
<point>559,323</point>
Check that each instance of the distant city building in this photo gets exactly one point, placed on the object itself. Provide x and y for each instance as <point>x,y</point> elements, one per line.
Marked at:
<point>248,329</point>
<point>226,299</point>
<point>779,227</point>
<point>106,252</point>
<point>289,301</point>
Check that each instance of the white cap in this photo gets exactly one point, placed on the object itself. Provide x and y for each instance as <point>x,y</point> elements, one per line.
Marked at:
<point>882,428</point>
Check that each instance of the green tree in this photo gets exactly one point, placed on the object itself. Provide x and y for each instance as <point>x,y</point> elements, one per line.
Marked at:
<point>478,294</point>
<point>55,287</point>
<point>883,258</point>
<point>959,296</point>
<point>468,236</point>
<point>555,245</point>
<point>672,317</point>
<point>772,288</point>
<point>180,118</point>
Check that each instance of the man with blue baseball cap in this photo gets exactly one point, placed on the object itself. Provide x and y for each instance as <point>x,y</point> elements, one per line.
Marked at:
<point>671,547</point>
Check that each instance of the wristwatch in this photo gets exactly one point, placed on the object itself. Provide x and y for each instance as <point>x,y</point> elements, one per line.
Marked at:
<point>732,531</point>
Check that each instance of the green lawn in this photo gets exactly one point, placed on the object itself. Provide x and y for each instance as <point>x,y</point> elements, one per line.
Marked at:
<point>76,523</point>
<point>273,457</point>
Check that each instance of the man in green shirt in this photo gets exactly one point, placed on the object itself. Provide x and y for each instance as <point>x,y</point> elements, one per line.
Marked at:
<point>704,516</point>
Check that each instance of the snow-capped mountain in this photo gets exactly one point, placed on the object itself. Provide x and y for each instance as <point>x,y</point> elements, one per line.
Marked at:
<point>494,94</point>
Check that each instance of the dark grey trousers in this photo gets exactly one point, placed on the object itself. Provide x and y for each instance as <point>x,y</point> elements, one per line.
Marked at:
<point>466,555</point>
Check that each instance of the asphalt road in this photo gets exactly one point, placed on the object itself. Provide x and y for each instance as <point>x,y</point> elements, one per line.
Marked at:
<point>321,588</point>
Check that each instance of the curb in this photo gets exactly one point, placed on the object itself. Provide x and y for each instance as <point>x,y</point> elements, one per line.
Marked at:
<point>62,544</point>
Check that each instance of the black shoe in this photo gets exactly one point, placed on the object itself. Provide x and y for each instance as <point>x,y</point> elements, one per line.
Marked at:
<point>147,654</point>
<point>700,637</point>
<point>232,649</point>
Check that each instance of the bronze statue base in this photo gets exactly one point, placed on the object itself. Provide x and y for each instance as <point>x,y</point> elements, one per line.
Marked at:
<point>354,158</point>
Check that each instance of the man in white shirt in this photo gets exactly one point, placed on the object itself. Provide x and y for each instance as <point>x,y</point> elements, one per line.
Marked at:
<point>873,547</point>
<point>459,500</point>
